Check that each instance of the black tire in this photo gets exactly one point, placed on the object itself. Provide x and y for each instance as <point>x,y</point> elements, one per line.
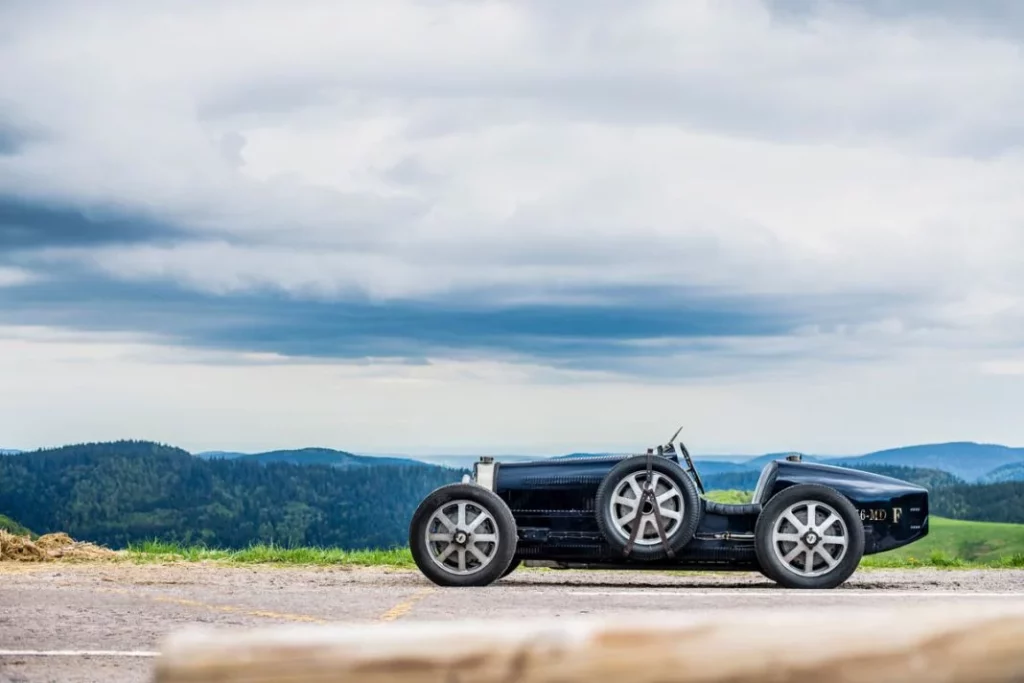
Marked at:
<point>767,573</point>
<point>678,532</point>
<point>499,552</point>
<point>775,568</point>
<point>512,567</point>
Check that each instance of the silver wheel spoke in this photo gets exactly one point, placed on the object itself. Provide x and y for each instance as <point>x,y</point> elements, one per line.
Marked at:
<point>800,526</point>
<point>434,538</point>
<point>628,502</point>
<point>809,561</point>
<point>833,540</point>
<point>829,560</point>
<point>793,553</point>
<point>476,553</point>
<point>647,522</point>
<point>668,495</point>
<point>670,514</point>
<point>447,552</point>
<point>482,517</point>
<point>462,515</point>
<point>484,538</point>
<point>788,538</point>
<point>462,559</point>
<point>827,524</point>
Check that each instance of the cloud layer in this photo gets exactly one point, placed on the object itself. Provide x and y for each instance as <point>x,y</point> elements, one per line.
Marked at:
<point>648,191</point>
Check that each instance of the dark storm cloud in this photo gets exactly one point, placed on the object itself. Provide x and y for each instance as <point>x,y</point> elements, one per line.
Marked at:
<point>27,224</point>
<point>570,337</point>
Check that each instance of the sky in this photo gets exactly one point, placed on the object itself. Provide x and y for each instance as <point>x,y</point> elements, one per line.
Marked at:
<point>442,226</point>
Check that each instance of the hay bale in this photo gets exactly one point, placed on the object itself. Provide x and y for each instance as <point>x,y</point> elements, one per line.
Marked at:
<point>14,548</point>
<point>19,548</point>
<point>54,541</point>
<point>84,551</point>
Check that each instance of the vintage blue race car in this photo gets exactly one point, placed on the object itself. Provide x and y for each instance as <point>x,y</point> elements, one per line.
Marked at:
<point>807,526</point>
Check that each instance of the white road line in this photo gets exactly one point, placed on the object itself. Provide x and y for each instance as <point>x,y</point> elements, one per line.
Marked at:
<point>77,653</point>
<point>743,593</point>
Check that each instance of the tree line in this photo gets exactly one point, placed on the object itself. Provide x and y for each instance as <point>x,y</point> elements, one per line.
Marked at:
<point>128,492</point>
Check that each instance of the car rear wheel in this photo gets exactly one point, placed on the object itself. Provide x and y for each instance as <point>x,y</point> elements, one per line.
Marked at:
<point>618,501</point>
<point>809,536</point>
<point>463,535</point>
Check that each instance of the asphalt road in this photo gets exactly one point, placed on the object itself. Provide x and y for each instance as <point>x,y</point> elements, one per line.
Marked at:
<point>104,622</point>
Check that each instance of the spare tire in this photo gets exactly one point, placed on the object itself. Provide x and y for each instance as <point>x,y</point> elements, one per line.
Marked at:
<point>618,499</point>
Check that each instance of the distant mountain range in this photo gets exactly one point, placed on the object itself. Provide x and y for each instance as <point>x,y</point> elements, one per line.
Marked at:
<point>968,461</point>
<point>8,451</point>
<point>1011,472</point>
<point>312,456</point>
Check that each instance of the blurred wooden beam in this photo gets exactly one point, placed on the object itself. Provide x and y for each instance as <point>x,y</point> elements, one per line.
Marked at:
<point>948,642</point>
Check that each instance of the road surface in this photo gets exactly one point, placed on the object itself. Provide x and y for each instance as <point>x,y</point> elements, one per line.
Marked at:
<point>76,623</point>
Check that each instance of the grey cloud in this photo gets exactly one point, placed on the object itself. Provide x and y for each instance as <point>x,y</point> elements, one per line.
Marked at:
<point>599,338</point>
<point>999,18</point>
<point>27,224</point>
<point>15,134</point>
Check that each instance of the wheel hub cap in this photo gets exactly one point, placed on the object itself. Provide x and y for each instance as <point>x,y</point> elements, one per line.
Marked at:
<point>461,538</point>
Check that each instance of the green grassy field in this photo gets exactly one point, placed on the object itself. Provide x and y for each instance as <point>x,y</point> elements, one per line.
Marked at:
<point>156,551</point>
<point>950,544</point>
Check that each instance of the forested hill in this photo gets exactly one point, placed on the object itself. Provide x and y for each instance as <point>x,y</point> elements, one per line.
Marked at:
<point>129,491</point>
<point>311,456</point>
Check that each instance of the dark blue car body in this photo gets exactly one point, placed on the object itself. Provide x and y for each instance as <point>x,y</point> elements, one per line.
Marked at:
<point>553,502</point>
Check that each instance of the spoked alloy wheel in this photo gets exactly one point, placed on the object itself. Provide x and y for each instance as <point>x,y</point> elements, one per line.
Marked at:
<point>809,536</point>
<point>463,535</point>
<point>624,502</point>
<point>618,500</point>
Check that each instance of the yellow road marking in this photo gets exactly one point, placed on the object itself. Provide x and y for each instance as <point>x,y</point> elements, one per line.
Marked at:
<point>402,608</point>
<point>185,602</point>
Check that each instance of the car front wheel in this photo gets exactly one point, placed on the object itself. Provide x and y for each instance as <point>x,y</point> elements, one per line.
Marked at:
<point>463,535</point>
<point>809,536</point>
